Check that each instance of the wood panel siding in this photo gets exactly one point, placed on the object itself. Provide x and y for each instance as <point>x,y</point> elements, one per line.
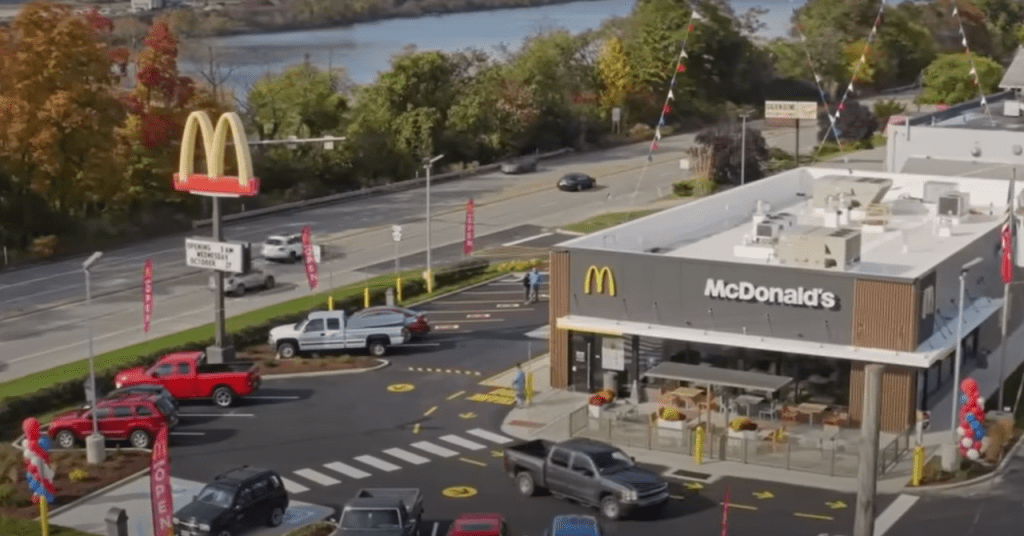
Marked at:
<point>899,397</point>
<point>885,315</point>
<point>558,306</point>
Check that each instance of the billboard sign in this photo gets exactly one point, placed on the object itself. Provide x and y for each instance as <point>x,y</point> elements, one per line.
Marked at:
<point>220,256</point>
<point>214,183</point>
<point>791,110</point>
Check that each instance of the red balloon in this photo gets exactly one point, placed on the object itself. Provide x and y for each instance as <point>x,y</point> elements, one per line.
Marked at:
<point>977,445</point>
<point>979,414</point>
<point>968,431</point>
<point>969,386</point>
<point>30,427</point>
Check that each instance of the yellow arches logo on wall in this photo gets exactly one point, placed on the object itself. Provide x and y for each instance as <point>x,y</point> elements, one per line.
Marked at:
<point>598,279</point>
<point>215,140</point>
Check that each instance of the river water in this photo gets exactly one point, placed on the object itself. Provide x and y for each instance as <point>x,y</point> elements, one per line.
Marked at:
<point>366,49</point>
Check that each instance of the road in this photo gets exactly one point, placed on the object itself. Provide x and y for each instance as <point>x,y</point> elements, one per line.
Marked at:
<point>41,329</point>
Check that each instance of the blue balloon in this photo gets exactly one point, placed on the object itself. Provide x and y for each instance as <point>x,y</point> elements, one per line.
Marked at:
<point>963,399</point>
<point>970,418</point>
<point>44,443</point>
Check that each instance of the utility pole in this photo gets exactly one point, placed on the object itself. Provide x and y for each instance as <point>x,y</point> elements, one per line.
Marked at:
<point>951,457</point>
<point>867,470</point>
<point>428,163</point>
<point>95,443</point>
<point>221,351</point>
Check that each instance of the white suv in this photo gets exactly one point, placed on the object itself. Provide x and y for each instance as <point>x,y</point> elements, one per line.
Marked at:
<point>283,248</point>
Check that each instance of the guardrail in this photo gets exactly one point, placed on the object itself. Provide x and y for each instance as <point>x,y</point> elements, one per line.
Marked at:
<point>364,192</point>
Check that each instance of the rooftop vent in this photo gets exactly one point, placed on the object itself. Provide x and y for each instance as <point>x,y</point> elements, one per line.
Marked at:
<point>860,191</point>
<point>954,204</point>
<point>1011,108</point>
<point>933,190</point>
<point>769,227</point>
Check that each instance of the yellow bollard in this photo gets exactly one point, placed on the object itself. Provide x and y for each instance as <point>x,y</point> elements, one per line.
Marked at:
<point>330,303</point>
<point>698,445</point>
<point>428,277</point>
<point>918,473</point>
<point>366,297</point>
<point>398,290</point>
<point>43,516</point>
<point>529,387</point>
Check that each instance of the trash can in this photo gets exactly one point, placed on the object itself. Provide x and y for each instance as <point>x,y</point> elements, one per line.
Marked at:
<point>117,522</point>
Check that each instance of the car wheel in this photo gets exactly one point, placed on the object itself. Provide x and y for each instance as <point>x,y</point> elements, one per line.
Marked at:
<point>240,290</point>
<point>287,350</point>
<point>276,516</point>
<point>377,348</point>
<point>268,283</point>
<point>223,397</point>
<point>579,187</point>
<point>140,439</point>
<point>524,481</point>
<point>610,508</point>
<point>294,256</point>
<point>65,439</point>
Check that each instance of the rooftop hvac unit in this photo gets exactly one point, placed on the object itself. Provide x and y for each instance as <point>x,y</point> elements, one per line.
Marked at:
<point>768,230</point>
<point>860,191</point>
<point>955,204</point>
<point>1011,108</point>
<point>818,247</point>
<point>933,190</point>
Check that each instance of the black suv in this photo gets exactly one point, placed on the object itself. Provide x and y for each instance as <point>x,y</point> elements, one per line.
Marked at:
<point>238,499</point>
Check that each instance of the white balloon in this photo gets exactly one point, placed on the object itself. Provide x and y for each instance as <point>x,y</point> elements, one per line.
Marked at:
<point>967,442</point>
<point>959,431</point>
<point>981,401</point>
<point>973,454</point>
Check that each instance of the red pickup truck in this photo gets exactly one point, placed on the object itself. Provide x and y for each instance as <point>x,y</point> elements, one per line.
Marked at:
<point>187,375</point>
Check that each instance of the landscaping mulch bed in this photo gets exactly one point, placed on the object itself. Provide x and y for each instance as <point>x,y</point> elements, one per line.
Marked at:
<point>15,501</point>
<point>269,364</point>
<point>933,473</point>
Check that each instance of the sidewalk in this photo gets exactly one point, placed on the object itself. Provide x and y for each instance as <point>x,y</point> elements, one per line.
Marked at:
<point>549,414</point>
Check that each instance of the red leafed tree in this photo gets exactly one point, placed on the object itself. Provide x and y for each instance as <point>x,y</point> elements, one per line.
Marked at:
<point>103,30</point>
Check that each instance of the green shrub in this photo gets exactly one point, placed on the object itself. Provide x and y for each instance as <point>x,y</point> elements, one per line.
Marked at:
<point>682,188</point>
<point>884,109</point>
<point>704,186</point>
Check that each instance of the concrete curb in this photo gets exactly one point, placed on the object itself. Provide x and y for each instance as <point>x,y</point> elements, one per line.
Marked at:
<point>367,192</point>
<point>381,364</point>
<point>937,488</point>
<point>119,483</point>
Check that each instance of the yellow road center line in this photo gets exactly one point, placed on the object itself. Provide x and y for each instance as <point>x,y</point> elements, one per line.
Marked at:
<point>429,411</point>
<point>456,395</point>
<point>474,462</point>
<point>416,428</point>
<point>813,516</point>
<point>741,506</point>
<point>678,497</point>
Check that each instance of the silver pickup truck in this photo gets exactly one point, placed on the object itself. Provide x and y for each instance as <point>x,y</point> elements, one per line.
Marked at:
<point>383,512</point>
<point>333,331</point>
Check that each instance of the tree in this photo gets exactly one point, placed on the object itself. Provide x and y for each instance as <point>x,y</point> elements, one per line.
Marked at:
<point>905,46</point>
<point>57,129</point>
<point>727,153</point>
<point>616,76</point>
<point>492,116</point>
<point>830,26</point>
<point>948,79</point>
<point>865,72</point>
<point>301,101</point>
<point>855,122</point>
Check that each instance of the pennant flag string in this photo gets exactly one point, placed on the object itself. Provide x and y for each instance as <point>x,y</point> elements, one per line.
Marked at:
<point>973,73</point>
<point>667,107</point>
<point>817,79</point>
<point>861,62</point>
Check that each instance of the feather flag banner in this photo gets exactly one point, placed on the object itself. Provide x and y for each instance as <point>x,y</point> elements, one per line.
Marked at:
<point>973,73</point>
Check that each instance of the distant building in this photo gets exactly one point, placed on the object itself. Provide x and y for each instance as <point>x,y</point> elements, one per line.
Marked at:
<point>147,5</point>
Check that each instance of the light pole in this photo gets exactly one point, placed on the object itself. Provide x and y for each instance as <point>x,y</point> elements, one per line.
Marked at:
<point>428,163</point>
<point>952,457</point>
<point>743,149</point>
<point>95,443</point>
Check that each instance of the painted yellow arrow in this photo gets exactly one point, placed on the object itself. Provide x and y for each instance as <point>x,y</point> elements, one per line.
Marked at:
<point>694,486</point>
<point>764,495</point>
<point>468,415</point>
<point>835,505</point>
<point>497,454</point>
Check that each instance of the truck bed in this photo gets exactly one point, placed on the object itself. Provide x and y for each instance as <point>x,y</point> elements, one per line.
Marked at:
<point>537,448</point>
<point>376,321</point>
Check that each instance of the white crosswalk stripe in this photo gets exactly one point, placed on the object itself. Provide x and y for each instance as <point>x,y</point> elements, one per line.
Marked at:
<point>319,478</point>
<point>437,450</point>
<point>377,462</point>
<point>490,436</point>
<point>293,487</point>
<point>464,443</point>
<point>407,456</point>
<point>347,470</point>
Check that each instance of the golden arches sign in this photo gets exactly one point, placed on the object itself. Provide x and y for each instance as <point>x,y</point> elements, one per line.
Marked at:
<point>599,278</point>
<point>214,183</point>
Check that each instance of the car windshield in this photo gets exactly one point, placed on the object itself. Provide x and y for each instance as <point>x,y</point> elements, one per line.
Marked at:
<point>369,519</point>
<point>275,242</point>
<point>216,495</point>
<point>611,461</point>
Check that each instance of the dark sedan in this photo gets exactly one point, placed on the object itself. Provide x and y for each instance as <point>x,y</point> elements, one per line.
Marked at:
<point>574,182</point>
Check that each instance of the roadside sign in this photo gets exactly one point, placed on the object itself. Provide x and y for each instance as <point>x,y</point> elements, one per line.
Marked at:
<point>220,256</point>
<point>791,110</point>
<point>396,233</point>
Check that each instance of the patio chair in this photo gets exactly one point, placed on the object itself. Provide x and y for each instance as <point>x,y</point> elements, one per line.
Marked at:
<point>789,414</point>
<point>770,412</point>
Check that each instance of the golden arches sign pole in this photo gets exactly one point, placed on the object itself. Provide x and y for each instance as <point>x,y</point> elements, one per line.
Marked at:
<point>215,184</point>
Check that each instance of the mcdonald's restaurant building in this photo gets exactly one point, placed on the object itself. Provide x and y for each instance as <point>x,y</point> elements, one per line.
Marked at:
<point>807,274</point>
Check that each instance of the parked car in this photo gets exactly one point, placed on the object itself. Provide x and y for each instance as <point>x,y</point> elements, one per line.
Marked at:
<point>136,417</point>
<point>383,512</point>
<point>571,525</point>
<point>574,182</point>
<point>328,331</point>
<point>158,390</point>
<point>236,500</point>
<point>238,284</point>
<point>525,164</point>
<point>283,248</point>
<point>478,525</point>
<point>414,320</point>
<point>588,471</point>
<point>187,375</point>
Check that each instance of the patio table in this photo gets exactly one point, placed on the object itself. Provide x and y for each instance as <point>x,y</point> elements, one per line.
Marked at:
<point>748,400</point>
<point>811,410</point>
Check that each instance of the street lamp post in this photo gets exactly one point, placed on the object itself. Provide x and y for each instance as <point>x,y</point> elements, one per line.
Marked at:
<point>743,149</point>
<point>95,443</point>
<point>951,456</point>
<point>428,163</point>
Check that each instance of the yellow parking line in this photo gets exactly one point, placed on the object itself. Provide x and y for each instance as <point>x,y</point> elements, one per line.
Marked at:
<point>813,516</point>
<point>741,506</point>
<point>474,462</point>
<point>456,395</point>
<point>416,428</point>
<point>429,411</point>
<point>678,497</point>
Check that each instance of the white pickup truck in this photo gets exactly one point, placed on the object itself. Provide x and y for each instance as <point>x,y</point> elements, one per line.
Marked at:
<point>332,331</point>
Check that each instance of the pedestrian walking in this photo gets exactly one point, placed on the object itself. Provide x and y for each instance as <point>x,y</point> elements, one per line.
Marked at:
<point>534,280</point>
<point>519,385</point>
<point>526,287</point>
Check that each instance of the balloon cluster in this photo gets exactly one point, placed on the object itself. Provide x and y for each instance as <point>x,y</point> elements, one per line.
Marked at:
<point>972,420</point>
<point>37,462</point>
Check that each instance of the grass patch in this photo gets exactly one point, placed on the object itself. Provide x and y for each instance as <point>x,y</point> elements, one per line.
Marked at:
<point>117,358</point>
<point>604,221</point>
<point>10,526</point>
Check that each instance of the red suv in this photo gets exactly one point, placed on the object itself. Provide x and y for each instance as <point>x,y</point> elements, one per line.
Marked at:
<point>136,417</point>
